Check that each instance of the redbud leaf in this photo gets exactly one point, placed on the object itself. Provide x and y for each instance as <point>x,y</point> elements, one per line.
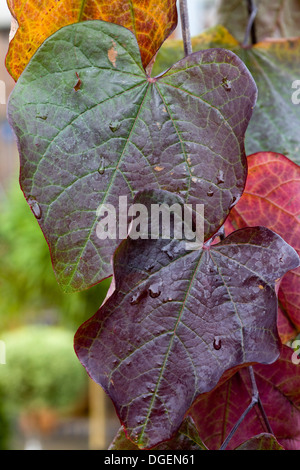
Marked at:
<point>178,319</point>
<point>151,22</point>
<point>272,198</point>
<point>92,126</point>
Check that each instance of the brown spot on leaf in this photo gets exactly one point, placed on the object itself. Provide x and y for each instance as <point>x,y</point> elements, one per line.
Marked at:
<point>158,168</point>
<point>113,54</point>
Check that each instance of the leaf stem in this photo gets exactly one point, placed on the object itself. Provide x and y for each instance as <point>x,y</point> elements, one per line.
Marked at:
<point>255,400</point>
<point>237,424</point>
<point>185,26</point>
<point>259,402</point>
<point>252,10</point>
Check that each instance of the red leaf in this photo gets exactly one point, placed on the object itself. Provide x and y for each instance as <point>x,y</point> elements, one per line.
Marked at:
<point>272,199</point>
<point>216,412</point>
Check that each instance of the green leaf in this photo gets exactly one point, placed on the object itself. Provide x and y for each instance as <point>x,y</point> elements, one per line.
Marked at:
<point>274,66</point>
<point>274,19</point>
<point>91,126</point>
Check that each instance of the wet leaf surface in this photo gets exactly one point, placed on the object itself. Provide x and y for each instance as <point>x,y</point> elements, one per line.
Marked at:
<point>92,127</point>
<point>274,66</point>
<point>213,309</point>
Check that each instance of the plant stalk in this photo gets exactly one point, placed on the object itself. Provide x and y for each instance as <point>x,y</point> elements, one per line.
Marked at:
<point>255,400</point>
<point>238,423</point>
<point>259,402</point>
<point>185,26</point>
<point>250,30</point>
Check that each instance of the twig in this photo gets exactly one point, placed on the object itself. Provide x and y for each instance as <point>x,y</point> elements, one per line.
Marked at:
<point>185,26</point>
<point>252,10</point>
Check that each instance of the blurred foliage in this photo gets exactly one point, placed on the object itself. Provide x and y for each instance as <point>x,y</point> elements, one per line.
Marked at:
<point>4,424</point>
<point>28,289</point>
<point>41,370</point>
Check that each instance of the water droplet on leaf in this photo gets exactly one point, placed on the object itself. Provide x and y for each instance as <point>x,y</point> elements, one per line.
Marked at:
<point>220,177</point>
<point>154,291</point>
<point>233,202</point>
<point>210,192</point>
<point>137,297</point>
<point>149,267</point>
<point>101,168</point>
<point>217,343</point>
<point>114,126</point>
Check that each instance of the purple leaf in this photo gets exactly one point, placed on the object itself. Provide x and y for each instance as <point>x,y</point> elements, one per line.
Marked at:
<point>213,309</point>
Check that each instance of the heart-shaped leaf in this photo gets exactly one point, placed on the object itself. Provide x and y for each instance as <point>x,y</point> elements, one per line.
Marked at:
<point>150,21</point>
<point>272,198</point>
<point>91,127</point>
<point>215,413</point>
<point>178,319</point>
<point>187,438</point>
<point>274,66</point>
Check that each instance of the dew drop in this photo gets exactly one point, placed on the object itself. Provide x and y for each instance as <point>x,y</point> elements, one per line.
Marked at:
<point>210,192</point>
<point>137,297</point>
<point>154,291</point>
<point>217,343</point>
<point>101,168</point>
<point>114,126</point>
<point>220,177</point>
<point>35,207</point>
<point>149,267</point>
<point>233,201</point>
